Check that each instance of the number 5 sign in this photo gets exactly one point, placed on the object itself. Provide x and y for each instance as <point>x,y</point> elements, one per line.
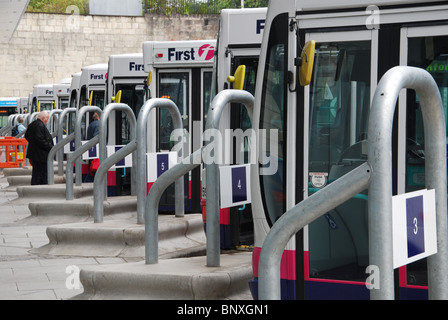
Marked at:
<point>414,226</point>
<point>158,163</point>
<point>238,178</point>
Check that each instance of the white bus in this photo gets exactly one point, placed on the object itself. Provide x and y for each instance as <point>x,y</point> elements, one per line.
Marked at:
<point>62,92</point>
<point>43,98</point>
<point>322,130</point>
<point>92,86</point>
<point>126,84</point>
<point>181,71</point>
<point>74,90</point>
<point>22,105</point>
<point>239,44</point>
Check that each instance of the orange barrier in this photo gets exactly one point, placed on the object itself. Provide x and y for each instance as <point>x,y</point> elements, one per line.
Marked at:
<point>12,152</point>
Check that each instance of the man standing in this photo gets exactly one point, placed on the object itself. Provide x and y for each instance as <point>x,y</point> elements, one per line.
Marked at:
<point>92,131</point>
<point>94,126</point>
<point>39,145</point>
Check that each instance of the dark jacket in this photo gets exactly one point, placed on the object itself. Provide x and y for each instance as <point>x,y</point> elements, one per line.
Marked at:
<point>39,141</point>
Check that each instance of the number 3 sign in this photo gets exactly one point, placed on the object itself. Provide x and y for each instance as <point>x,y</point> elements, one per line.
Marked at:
<point>414,226</point>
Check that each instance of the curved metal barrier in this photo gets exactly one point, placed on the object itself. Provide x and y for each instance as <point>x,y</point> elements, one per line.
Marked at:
<point>99,183</point>
<point>221,100</point>
<point>57,149</point>
<point>76,155</point>
<point>141,155</point>
<point>78,137</point>
<point>376,174</point>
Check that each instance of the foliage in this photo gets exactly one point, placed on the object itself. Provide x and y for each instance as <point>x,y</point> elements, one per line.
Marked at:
<point>166,7</point>
<point>57,6</point>
<point>169,7</point>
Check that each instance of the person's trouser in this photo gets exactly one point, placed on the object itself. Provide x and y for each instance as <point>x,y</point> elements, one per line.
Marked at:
<point>39,174</point>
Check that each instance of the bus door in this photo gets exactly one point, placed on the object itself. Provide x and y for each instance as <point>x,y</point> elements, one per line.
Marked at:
<point>427,48</point>
<point>132,94</point>
<point>241,221</point>
<point>190,90</point>
<point>337,104</point>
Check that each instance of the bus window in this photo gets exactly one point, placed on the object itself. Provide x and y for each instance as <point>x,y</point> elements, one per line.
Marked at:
<point>5,112</point>
<point>133,96</point>
<point>174,86</point>
<point>48,106</point>
<point>430,53</point>
<point>83,97</point>
<point>206,92</point>
<point>339,108</point>
<point>98,99</point>
<point>273,187</point>
<point>63,103</point>
<point>251,64</point>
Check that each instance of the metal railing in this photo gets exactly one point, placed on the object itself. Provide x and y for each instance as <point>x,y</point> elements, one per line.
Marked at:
<point>74,159</point>
<point>141,155</point>
<point>376,174</point>
<point>217,106</point>
<point>99,183</point>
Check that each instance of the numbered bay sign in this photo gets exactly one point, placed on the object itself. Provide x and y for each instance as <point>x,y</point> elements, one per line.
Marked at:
<point>238,177</point>
<point>92,153</point>
<point>69,147</point>
<point>126,162</point>
<point>414,226</point>
<point>158,163</point>
<point>56,139</point>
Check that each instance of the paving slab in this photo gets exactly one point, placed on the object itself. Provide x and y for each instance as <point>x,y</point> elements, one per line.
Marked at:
<point>125,238</point>
<point>55,191</point>
<point>172,279</point>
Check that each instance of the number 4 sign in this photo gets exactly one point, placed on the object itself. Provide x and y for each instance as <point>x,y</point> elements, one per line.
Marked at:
<point>414,226</point>
<point>237,177</point>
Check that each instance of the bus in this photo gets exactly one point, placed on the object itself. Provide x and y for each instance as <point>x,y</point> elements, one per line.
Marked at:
<point>181,71</point>
<point>22,105</point>
<point>322,131</point>
<point>43,98</point>
<point>8,106</point>
<point>87,87</point>
<point>92,86</point>
<point>126,80</point>
<point>239,43</point>
<point>62,92</point>
<point>74,90</point>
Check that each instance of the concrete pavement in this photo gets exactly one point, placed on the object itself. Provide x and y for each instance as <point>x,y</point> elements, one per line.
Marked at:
<point>29,276</point>
<point>31,268</point>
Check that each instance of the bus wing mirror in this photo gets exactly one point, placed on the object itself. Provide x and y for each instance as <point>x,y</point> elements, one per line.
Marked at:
<point>239,78</point>
<point>117,97</point>
<point>90,98</point>
<point>307,57</point>
<point>148,80</point>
